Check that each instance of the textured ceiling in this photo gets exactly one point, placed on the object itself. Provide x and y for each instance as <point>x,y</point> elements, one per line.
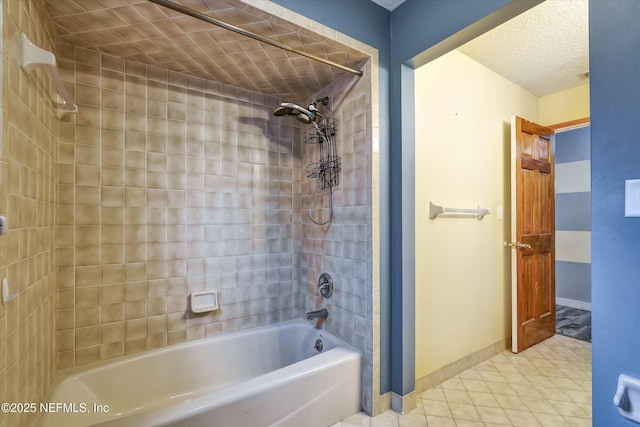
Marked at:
<point>143,31</point>
<point>544,50</point>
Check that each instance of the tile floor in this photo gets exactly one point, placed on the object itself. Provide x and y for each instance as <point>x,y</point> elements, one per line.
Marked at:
<point>546,385</point>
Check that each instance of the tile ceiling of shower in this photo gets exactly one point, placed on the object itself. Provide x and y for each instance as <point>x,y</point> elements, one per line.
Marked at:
<point>145,32</point>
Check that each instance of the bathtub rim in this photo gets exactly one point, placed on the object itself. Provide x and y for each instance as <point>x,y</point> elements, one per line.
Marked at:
<point>166,415</point>
<point>66,373</point>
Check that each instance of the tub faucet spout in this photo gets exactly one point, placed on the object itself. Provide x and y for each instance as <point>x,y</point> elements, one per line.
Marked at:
<point>323,313</point>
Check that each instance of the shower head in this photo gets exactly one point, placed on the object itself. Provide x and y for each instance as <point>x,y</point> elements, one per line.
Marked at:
<point>302,117</point>
<point>291,109</point>
<point>282,111</point>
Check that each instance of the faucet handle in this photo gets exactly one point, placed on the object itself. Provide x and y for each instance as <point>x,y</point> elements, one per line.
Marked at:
<point>323,288</point>
<point>325,285</point>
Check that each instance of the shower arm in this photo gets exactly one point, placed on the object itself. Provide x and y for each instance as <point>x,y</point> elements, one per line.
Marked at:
<point>210,20</point>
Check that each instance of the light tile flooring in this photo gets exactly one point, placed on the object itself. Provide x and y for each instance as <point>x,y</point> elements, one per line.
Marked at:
<point>546,385</point>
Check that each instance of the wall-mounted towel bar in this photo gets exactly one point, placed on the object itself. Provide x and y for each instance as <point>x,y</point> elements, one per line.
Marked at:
<point>34,57</point>
<point>435,210</point>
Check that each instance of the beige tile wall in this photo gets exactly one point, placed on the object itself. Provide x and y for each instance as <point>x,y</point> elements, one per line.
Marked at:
<point>169,184</point>
<point>27,198</point>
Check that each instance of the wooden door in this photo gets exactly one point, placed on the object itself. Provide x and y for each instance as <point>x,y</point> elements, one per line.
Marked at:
<point>532,234</point>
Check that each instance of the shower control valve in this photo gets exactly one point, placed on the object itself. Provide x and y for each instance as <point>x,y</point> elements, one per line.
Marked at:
<point>325,285</point>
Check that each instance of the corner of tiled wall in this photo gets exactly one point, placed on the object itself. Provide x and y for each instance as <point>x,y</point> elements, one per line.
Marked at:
<point>4,171</point>
<point>27,198</point>
<point>344,248</point>
<point>381,402</point>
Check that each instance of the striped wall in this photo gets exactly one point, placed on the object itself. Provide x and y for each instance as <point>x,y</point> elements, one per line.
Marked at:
<point>573,218</point>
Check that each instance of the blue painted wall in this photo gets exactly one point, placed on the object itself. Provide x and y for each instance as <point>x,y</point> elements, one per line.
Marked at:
<point>361,19</point>
<point>419,24</point>
<point>614,56</point>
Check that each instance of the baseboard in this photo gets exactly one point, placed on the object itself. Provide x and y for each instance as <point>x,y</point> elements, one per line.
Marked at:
<point>403,404</point>
<point>382,404</point>
<point>573,303</point>
<point>453,369</point>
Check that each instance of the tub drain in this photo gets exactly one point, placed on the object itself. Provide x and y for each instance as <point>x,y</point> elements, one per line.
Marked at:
<point>318,345</point>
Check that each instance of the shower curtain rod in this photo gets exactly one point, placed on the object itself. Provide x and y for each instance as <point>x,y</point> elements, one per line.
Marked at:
<point>205,18</point>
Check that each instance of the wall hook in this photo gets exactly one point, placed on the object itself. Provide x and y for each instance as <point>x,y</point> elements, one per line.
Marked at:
<point>5,292</point>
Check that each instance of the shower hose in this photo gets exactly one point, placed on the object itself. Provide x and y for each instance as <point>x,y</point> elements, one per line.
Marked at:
<point>313,196</point>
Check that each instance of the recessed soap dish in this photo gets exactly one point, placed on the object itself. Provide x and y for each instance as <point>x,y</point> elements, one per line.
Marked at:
<point>202,302</point>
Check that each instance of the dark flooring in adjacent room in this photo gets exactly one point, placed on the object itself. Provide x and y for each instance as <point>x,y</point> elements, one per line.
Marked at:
<point>573,322</point>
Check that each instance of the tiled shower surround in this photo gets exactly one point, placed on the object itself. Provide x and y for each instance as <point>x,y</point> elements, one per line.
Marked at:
<point>165,184</point>
<point>27,197</point>
<point>171,184</point>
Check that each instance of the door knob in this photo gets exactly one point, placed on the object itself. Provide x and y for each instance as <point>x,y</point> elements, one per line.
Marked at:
<point>518,245</point>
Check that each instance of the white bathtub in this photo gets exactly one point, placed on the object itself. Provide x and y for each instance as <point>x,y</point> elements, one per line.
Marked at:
<point>266,376</point>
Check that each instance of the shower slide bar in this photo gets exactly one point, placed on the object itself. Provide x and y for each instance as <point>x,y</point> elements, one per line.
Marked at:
<point>210,20</point>
<point>34,57</point>
<point>435,210</point>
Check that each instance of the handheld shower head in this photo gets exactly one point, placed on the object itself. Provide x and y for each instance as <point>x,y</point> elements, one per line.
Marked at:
<point>327,170</point>
<point>304,118</point>
<point>291,109</point>
<point>282,111</point>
